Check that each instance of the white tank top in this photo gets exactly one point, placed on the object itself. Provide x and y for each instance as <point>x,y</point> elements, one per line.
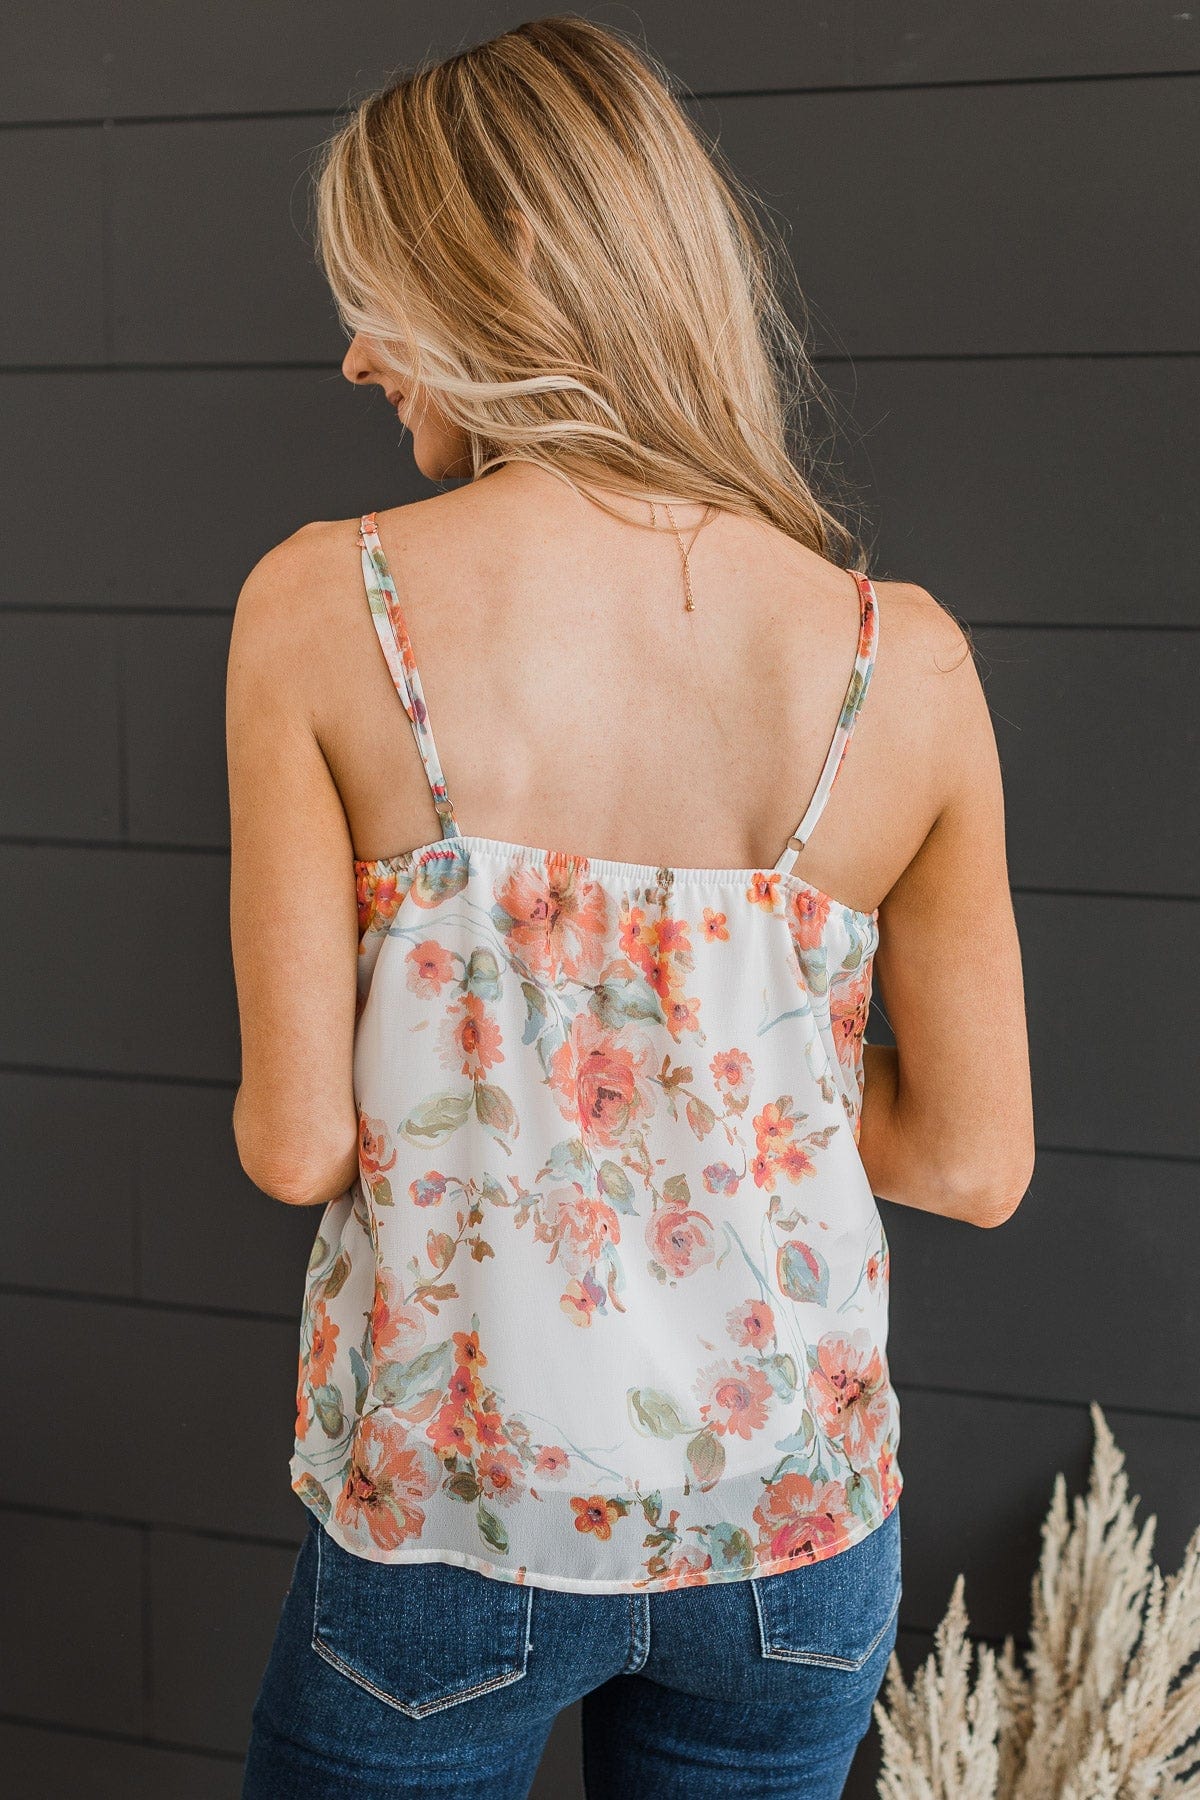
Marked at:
<point>607,1307</point>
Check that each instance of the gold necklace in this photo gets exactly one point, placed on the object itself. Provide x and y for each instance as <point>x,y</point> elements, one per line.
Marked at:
<point>689,604</point>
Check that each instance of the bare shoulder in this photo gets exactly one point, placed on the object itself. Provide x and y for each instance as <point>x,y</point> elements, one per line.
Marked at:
<point>919,628</point>
<point>931,700</point>
<point>930,651</point>
<point>292,595</point>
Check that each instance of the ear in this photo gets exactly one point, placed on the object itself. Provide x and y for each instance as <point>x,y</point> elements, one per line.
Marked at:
<point>522,233</point>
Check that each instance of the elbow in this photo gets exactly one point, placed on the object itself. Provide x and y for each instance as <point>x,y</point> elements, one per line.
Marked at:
<point>307,1176</point>
<point>292,1187</point>
<point>995,1203</point>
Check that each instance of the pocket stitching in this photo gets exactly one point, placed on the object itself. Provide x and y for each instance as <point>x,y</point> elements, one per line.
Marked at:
<point>818,1658</point>
<point>330,1656</point>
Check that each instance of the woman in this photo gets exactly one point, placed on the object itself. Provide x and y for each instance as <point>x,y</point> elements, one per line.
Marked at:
<point>559,1015</point>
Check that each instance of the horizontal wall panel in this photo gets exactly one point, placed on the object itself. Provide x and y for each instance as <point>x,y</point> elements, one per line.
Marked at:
<point>1099,742</point>
<point>978,1482</point>
<point>139,58</point>
<point>176,482</point>
<point>59,724</point>
<point>70,1170</point>
<point>75,1657</point>
<point>134,1190</point>
<point>1101,1241</point>
<point>1113,1051</point>
<point>957,195</point>
<point>52,278</point>
<point>982,221</point>
<point>1047,491</point>
<point>198,279</point>
<point>208,1235</point>
<point>215,1605</point>
<point>931,40</point>
<point>174,678</point>
<point>125,963</point>
<point>53,1763</point>
<point>183,1420</point>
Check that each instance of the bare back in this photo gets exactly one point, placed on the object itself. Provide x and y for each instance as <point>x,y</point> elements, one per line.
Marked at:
<point>580,707</point>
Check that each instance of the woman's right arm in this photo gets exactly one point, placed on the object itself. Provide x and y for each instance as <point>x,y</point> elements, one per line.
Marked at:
<point>947,1117</point>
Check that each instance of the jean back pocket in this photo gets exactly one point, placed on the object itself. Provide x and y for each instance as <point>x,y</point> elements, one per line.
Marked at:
<point>420,1636</point>
<point>833,1613</point>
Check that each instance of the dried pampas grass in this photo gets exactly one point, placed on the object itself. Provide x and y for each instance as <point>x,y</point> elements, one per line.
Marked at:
<point>1106,1703</point>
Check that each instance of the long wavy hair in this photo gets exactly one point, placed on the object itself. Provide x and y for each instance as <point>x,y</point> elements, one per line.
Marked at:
<point>636,333</point>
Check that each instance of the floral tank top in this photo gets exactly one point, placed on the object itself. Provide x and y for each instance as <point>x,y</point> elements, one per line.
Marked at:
<point>606,1309</point>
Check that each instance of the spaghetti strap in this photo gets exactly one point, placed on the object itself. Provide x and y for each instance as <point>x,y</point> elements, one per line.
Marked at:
<point>402,664</point>
<point>864,662</point>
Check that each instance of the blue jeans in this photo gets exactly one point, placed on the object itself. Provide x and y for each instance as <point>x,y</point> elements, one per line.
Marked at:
<point>427,1681</point>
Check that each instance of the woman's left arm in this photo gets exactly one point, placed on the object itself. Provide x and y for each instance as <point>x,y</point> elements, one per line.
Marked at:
<point>292,905</point>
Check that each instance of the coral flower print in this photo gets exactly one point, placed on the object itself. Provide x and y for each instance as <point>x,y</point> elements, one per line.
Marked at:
<point>605,1307</point>
<point>763,891</point>
<point>596,1515</point>
<point>599,1079</point>
<point>716,926</point>
<point>680,1240</point>
<point>849,1004</point>
<point>470,1039</point>
<point>384,1487</point>
<point>801,1521</point>
<point>324,1343</point>
<point>808,912</point>
<point>375,1154</point>
<point>397,1331</point>
<point>555,919</point>
<point>849,1394</point>
<point>752,1324</point>
<point>734,1398</point>
<point>430,967</point>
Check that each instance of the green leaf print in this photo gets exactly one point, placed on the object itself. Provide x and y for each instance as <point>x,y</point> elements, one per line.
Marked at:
<point>622,998</point>
<point>654,1414</point>
<point>439,878</point>
<point>802,1272</point>
<point>569,1159</point>
<point>677,1191</point>
<point>314,1495</point>
<point>780,1371</point>
<point>318,1253</point>
<point>706,1453</point>
<point>335,1281</point>
<point>616,1185</point>
<point>495,1109</point>
<point>381,1192</point>
<point>536,1011</point>
<point>362,1378</point>
<point>492,1529</point>
<point>327,1402</point>
<point>731,1547</point>
<point>463,1485</point>
<point>399,1384</point>
<point>483,974</point>
<point>434,1119</point>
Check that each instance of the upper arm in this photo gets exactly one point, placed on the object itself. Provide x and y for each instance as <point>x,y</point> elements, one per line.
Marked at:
<point>948,965</point>
<point>293,913</point>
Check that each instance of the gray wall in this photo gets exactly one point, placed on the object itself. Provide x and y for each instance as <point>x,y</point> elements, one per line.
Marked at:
<point>989,214</point>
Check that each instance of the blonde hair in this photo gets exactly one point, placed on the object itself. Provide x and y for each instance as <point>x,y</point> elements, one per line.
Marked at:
<point>635,334</point>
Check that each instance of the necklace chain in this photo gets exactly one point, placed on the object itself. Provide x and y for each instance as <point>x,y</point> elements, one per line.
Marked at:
<point>689,603</point>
